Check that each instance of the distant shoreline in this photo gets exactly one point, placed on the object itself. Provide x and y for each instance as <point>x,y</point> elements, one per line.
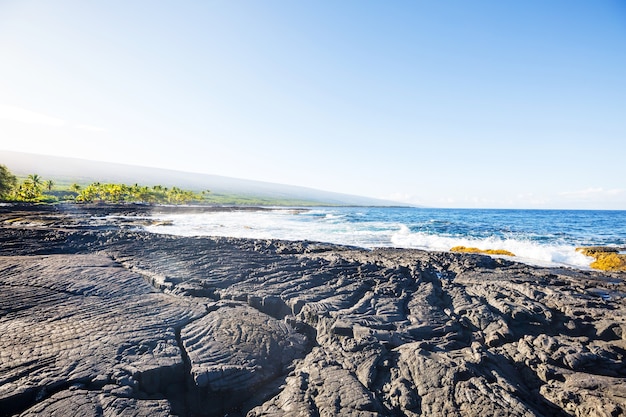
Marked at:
<point>225,190</point>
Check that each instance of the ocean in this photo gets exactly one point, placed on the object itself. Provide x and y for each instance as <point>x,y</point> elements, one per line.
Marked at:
<point>536,237</point>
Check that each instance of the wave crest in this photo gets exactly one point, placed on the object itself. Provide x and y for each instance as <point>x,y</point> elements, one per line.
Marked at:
<point>526,250</point>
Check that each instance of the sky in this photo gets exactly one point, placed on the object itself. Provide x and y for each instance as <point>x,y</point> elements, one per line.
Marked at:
<point>485,104</point>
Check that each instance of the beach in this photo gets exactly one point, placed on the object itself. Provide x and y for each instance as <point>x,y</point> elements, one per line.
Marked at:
<point>99,316</point>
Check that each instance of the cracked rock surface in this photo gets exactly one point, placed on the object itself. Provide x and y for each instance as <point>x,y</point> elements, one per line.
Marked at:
<point>100,318</point>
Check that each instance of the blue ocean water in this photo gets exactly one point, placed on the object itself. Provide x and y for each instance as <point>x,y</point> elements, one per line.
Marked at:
<point>540,237</point>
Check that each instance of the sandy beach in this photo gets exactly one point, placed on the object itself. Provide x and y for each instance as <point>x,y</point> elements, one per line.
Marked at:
<point>98,317</point>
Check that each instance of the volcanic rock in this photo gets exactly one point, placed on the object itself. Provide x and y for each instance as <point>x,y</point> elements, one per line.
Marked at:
<point>100,318</point>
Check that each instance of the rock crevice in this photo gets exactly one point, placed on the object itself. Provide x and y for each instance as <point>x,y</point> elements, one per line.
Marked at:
<point>100,319</point>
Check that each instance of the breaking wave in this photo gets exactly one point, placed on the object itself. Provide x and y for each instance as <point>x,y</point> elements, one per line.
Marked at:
<point>546,238</point>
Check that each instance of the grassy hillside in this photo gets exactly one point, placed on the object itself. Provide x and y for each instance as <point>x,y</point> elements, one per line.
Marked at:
<point>224,190</point>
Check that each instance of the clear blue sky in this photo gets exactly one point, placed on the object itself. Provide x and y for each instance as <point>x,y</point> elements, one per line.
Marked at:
<point>441,103</point>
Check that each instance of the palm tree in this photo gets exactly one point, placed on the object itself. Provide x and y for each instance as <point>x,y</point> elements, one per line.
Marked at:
<point>48,184</point>
<point>35,180</point>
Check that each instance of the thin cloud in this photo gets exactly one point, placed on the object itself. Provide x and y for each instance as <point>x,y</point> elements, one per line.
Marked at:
<point>90,128</point>
<point>405,198</point>
<point>592,193</point>
<point>529,199</point>
<point>21,115</point>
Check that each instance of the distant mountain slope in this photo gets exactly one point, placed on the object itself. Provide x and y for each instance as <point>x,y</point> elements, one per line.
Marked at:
<point>86,171</point>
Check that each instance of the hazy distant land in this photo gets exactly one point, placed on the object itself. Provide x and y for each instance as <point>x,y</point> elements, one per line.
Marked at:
<point>227,190</point>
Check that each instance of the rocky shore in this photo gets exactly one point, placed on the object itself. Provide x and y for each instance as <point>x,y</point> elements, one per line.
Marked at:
<point>100,318</point>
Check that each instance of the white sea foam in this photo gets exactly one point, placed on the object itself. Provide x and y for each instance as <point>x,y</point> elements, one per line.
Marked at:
<point>276,224</point>
<point>320,225</point>
<point>525,250</point>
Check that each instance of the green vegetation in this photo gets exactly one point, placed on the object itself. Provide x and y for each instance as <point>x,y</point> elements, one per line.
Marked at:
<point>120,193</point>
<point>251,200</point>
<point>34,188</point>
<point>8,181</point>
<point>29,189</point>
<point>486,251</point>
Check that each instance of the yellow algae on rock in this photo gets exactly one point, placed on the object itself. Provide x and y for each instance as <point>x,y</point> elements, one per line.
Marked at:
<point>466,249</point>
<point>606,258</point>
<point>593,251</point>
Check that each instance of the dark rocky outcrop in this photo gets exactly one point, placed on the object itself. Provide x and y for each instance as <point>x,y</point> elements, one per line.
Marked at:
<point>99,318</point>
